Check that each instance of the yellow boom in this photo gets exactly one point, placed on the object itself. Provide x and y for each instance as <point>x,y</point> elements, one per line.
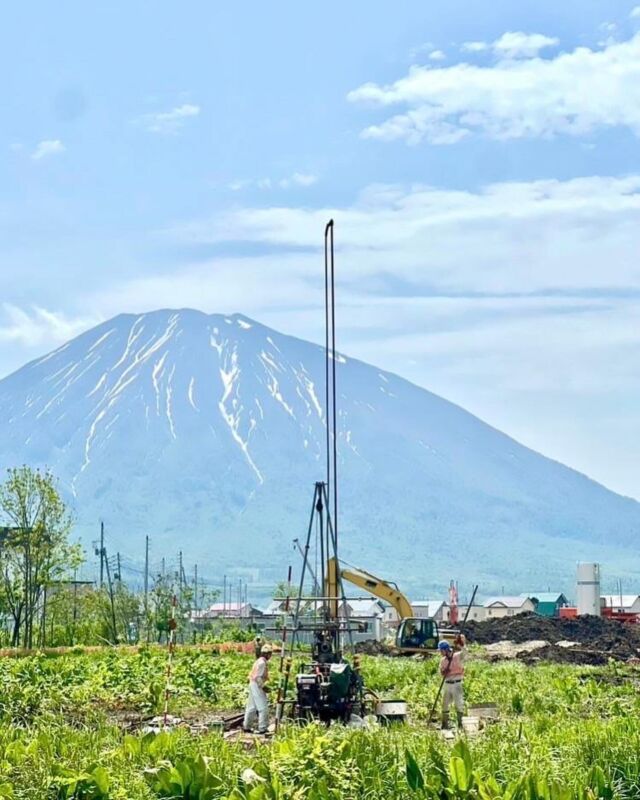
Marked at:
<point>386,591</point>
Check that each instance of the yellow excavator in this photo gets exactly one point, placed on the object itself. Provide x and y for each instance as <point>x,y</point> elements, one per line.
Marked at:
<point>415,635</point>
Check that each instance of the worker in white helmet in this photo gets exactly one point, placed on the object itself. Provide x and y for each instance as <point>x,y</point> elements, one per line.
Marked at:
<point>257,702</point>
<point>452,671</point>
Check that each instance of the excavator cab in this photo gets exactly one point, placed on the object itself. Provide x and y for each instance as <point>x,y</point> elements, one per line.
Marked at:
<point>417,635</point>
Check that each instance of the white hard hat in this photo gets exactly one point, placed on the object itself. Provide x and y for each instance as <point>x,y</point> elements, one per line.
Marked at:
<point>266,648</point>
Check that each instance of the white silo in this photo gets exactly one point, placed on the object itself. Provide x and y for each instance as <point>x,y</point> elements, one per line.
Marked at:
<point>588,593</point>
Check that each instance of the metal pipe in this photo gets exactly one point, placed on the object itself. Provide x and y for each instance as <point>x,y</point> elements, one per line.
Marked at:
<point>327,410</point>
<point>333,388</point>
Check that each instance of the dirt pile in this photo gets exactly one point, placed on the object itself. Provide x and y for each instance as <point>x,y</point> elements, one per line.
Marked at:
<point>373,648</point>
<point>597,639</point>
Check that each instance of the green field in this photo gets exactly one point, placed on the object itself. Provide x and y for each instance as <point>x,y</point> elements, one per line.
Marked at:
<point>565,732</point>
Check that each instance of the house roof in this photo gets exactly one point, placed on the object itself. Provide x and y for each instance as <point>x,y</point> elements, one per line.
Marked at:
<point>365,608</point>
<point>613,600</point>
<point>545,597</point>
<point>277,607</point>
<point>507,602</point>
<point>233,609</point>
<point>219,607</point>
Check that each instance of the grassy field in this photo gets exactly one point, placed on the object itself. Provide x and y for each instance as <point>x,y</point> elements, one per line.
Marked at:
<point>565,732</point>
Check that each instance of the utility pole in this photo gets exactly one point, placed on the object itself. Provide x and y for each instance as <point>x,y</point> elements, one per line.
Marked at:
<point>146,585</point>
<point>119,576</point>
<point>162,572</point>
<point>180,574</point>
<point>224,596</point>
<point>101,554</point>
<point>195,589</point>
<point>113,605</point>
<point>75,606</point>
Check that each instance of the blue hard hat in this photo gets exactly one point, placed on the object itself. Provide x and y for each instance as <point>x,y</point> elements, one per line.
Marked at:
<point>444,646</point>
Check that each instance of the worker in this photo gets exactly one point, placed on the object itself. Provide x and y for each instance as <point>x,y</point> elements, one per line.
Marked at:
<point>257,645</point>
<point>452,671</point>
<point>412,638</point>
<point>257,702</point>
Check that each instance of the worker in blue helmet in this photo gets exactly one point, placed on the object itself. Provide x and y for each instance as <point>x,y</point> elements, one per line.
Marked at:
<point>452,671</point>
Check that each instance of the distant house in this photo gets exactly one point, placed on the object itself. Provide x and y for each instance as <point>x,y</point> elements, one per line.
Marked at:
<point>507,606</point>
<point>477,613</point>
<point>391,618</point>
<point>627,603</point>
<point>433,609</point>
<point>279,606</point>
<point>366,618</point>
<point>228,611</point>
<point>547,604</point>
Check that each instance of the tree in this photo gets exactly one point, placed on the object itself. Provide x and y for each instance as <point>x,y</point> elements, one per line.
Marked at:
<point>159,609</point>
<point>283,590</point>
<point>36,550</point>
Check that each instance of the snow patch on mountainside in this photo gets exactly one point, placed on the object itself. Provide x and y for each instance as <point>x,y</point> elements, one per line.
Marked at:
<point>210,430</point>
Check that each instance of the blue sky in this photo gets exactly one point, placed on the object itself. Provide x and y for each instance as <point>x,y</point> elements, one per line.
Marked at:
<point>480,160</point>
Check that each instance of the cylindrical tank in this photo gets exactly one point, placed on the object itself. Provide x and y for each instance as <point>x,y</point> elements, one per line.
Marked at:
<point>588,590</point>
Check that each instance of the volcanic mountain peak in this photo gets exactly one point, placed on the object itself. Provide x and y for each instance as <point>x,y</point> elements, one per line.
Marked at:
<point>209,430</point>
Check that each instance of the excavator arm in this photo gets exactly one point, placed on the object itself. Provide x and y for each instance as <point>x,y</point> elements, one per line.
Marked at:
<point>386,591</point>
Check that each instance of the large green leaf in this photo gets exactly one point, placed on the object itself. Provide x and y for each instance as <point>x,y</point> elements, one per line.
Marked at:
<point>101,779</point>
<point>459,778</point>
<point>415,778</point>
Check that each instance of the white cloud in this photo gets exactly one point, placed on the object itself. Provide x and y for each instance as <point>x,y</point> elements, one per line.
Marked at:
<point>46,148</point>
<point>474,47</point>
<point>299,179</point>
<point>237,185</point>
<point>507,237</point>
<point>635,13</point>
<point>515,44</point>
<point>39,326</point>
<point>610,29</point>
<point>437,55</point>
<point>296,179</point>
<point>169,121</point>
<point>572,94</point>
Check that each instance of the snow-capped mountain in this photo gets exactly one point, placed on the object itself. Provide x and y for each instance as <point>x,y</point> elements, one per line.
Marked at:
<point>207,433</point>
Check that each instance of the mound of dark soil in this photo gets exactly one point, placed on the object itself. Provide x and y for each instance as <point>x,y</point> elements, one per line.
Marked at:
<point>565,655</point>
<point>594,634</point>
<point>526,627</point>
<point>373,648</point>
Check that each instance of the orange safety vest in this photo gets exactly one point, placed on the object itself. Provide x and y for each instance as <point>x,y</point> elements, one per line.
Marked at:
<point>452,669</point>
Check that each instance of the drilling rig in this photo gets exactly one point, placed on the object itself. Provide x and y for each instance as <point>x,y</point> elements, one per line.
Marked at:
<point>327,686</point>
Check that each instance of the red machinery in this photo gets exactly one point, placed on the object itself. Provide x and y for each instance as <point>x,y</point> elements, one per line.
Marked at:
<point>570,612</point>
<point>453,603</point>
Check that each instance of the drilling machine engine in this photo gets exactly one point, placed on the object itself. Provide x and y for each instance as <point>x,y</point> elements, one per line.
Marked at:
<point>329,688</point>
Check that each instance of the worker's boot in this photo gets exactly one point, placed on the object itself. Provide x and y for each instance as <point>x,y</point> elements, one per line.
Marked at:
<point>459,715</point>
<point>445,722</point>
